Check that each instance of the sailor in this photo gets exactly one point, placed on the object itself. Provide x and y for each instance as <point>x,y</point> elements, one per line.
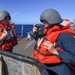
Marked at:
<point>56,47</point>
<point>8,35</point>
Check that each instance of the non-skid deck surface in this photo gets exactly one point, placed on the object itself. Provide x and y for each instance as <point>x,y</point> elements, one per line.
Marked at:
<point>24,47</point>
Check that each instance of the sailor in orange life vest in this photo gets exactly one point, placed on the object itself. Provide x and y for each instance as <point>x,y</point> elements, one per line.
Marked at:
<point>8,35</point>
<point>56,47</point>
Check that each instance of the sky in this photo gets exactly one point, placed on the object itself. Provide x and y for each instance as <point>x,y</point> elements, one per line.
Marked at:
<point>29,11</point>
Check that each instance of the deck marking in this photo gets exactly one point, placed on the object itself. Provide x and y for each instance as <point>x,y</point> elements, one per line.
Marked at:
<point>27,46</point>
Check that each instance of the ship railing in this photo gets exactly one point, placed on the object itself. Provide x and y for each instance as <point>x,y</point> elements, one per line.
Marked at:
<point>16,64</point>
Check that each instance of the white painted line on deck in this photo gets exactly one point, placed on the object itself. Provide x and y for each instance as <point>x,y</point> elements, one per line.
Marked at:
<point>29,44</point>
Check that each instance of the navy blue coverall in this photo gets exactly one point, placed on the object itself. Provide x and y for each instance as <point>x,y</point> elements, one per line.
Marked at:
<point>67,43</point>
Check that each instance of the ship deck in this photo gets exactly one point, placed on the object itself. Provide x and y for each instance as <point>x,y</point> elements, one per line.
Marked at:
<point>24,47</point>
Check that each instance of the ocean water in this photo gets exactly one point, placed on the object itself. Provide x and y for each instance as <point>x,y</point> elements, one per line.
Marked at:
<point>23,29</point>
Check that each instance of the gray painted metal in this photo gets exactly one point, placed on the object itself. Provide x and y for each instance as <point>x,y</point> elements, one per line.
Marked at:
<point>16,64</point>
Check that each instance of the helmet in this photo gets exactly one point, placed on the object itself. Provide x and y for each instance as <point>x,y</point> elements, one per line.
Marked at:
<point>4,14</point>
<point>51,16</point>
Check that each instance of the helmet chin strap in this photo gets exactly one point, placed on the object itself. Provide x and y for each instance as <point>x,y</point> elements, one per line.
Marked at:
<point>50,26</point>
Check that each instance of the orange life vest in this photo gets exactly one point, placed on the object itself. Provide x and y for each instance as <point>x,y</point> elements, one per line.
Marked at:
<point>9,41</point>
<point>45,56</point>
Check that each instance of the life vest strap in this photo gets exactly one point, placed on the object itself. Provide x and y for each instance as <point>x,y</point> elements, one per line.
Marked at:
<point>45,54</point>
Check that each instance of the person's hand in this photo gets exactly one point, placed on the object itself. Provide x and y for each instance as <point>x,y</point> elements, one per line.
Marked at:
<point>35,28</point>
<point>4,34</point>
<point>49,46</point>
<point>11,24</point>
